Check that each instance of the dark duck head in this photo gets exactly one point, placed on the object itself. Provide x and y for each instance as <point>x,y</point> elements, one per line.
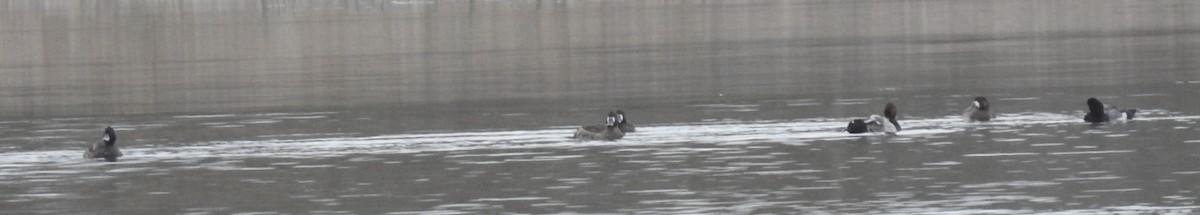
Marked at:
<point>110,137</point>
<point>981,103</point>
<point>979,111</point>
<point>611,121</point>
<point>1095,111</point>
<point>890,113</point>
<point>623,124</point>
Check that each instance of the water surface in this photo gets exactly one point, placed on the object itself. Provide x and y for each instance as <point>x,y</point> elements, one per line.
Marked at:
<point>464,107</point>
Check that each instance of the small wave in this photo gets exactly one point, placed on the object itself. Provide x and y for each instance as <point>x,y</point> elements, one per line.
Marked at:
<point>299,117</point>
<point>1091,152</point>
<point>510,199</point>
<point>295,114</point>
<point>1001,154</point>
<point>203,116</point>
<point>258,121</point>
<point>1020,99</point>
<point>728,107</point>
<point>1112,190</point>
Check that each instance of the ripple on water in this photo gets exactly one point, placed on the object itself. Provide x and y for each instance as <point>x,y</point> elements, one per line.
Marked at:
<point>1001,154</point>
<point>674,192</point>
<point>257,213</point>
<point>463,206</point>
<point>545,158</point>
<point>1098,178</point>
<point>778,172</point>
<point>943,163</point>
<point>258,181</point>
<point>1015,184</point>
<point>123,170</point>
<point>727,107</point>
<point>774,163</point>
<point>364,159</point>
<point>842,102</point>
<point>530,198</point>
<point>231,168</point>
<point>42,195</point>
<point>203,116</point>
<point>801,104</point>
<point>1019,99</point>
<point>1112,190</point>
<point>1091,152</point>
<point>258,121</point>
<point>298,117</point>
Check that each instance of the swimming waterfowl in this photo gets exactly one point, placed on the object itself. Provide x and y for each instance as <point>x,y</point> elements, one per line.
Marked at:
<point>1099,113</point>
<point>625,126</point>
<point>980,111</point>
<point>106,148</point>
<point>608,131</point>
<point>886,123</point>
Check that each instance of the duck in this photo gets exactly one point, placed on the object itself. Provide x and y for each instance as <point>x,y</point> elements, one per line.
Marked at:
<point>1100,113</point>
<point>624,125</point>
<point>608,131</point>
<point>106,148</point>
<point>980,111</point>
<point>886,123</point>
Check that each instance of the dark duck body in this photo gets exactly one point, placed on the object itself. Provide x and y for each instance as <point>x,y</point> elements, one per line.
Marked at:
<point>980,111</point>
<point>886,123</point>
<point>1100,113</point>
<point>106,148</point>
<point>608,131</point>
<point>624,125</point>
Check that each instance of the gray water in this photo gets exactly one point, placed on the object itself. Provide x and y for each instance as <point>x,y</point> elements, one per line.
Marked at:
<point>463,107</point>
